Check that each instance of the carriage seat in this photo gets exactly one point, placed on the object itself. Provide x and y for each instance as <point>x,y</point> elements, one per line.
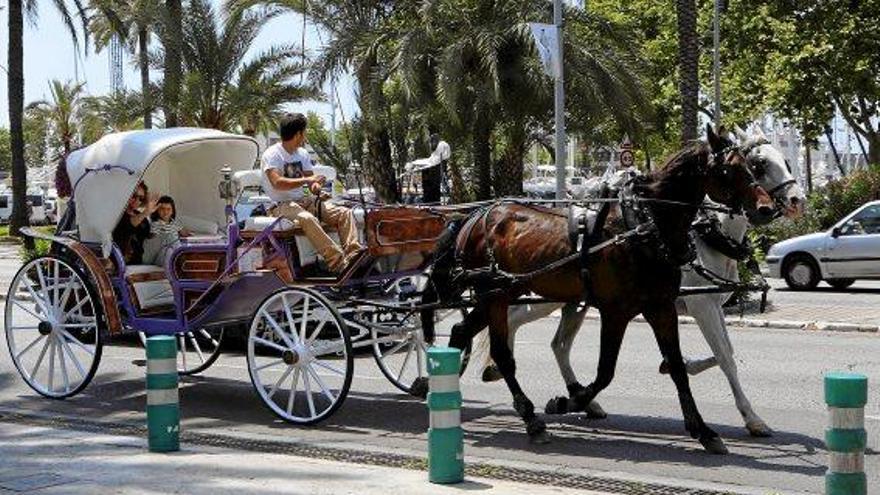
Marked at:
<point>288,230</point>
<point>149,286</point>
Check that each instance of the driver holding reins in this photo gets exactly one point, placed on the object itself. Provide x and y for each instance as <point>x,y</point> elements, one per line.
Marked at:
<point>287,169</point>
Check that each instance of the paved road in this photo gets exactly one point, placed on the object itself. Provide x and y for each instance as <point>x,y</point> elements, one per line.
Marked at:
<point>643,438</point>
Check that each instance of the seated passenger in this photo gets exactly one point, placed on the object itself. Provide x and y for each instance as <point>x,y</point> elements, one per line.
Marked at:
<point>134,228</point>
<point>165,232</point>
<point>287,169</point>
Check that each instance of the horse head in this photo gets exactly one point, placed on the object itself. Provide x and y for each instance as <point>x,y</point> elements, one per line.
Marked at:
<point>731,181</point>
<point>773,173</point>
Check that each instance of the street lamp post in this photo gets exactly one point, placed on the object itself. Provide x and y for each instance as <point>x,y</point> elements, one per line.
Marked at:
<point>559,104</point>
<point>716,62</point>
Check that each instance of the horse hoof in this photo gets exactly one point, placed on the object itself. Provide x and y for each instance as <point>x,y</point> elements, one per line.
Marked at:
<point>759,429</point>
<point>595,411</point>
<point>419,388</point>
<point>539,438</point>
<point>664,368</point>
<point>714,445</point>
<point>557,405</point>
<point>491,374</point>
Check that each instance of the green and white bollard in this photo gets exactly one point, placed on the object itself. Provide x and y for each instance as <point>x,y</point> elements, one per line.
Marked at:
<point>163,403</point>
<point>846,395</point>
<point>445,439</point>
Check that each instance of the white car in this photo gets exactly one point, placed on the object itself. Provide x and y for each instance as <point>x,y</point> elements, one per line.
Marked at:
<point>848,251</point>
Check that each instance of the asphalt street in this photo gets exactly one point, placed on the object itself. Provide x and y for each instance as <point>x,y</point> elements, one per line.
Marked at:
<point>642,439</point>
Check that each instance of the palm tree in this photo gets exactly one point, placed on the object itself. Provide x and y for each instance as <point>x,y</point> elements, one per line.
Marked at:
<point>488,74</point>
<point>15,85</point>
<point>224,91</point>
<point>359,32</point>
<point>114,112</point>
<point>172,41</point>
<point>688,63</point>
<point>63,115</point>
<point>133,21</point>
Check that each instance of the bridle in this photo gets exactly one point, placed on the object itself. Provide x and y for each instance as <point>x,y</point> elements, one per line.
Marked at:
<point>720,160</point>
<point>778,191</point>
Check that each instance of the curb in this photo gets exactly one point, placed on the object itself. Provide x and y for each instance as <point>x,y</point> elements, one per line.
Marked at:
<point>812,326</point>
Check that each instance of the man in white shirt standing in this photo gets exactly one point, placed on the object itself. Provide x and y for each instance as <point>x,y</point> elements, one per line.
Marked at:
<point>287,169</point>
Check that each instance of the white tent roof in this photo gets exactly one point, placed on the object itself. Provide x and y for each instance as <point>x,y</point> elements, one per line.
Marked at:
<point>183,163</point>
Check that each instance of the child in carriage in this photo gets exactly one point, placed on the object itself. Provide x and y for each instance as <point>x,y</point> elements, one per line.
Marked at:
<point>165,231</point>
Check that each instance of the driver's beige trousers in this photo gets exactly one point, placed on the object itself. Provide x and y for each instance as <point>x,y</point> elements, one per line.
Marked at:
<point>305,212</point>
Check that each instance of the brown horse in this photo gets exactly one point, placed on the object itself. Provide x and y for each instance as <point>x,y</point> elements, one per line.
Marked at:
<point>631,274</point>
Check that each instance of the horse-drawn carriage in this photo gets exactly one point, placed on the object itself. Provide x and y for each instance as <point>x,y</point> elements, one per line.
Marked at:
<point>256,275</point>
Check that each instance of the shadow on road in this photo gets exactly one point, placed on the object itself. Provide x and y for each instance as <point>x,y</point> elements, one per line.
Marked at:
<point>225,405</point>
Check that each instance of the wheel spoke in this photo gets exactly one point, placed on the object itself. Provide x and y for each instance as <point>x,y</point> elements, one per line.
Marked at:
<point>26,310</point>
<point>77,343</point>
<point>418,347</point>
<point>40,359</point>
<point>278,383</point>
<point>305,320</point>
<point>196,346</point>
<point>78,325</point>
<point>26,327</point>
<point>309,398</point>
<point>316,331</point>
<point>66,347</point>
<point>79,304</point>
<point>277,329</point>
<point>208,336</point>
<point>39,300</point>
<point>182,351</point>
<point>395,349</point>
<point>269,365</point>
<point>63,366</point>
<point>268,343</point>
<point>320,383</point>
<point>29,346</point>
<point>56,281</point>
<point>291,399</point>
<point>326,366</point>
<point>405,362</point>
<point>290,324</point>
<point>51,364</point>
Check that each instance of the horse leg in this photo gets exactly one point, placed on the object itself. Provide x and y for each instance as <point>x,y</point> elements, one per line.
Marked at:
<point>569,326</point>
<point>503,357</point>
<point>664,322</point>
<point>710,317</point>
<point>612,329</point>
<point>517,317</point>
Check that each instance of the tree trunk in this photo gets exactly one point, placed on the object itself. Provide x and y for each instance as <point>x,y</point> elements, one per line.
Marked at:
<point>508,172</point>
<point>173,61</point>
<point>144,63</point>
<point>378,165</point>
<point>873,148</point>
<point>15,85</point>
<point>688,67</point>
<point>482,151</point>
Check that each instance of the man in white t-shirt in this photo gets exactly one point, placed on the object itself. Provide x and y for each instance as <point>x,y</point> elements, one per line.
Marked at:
<point>287,168</point>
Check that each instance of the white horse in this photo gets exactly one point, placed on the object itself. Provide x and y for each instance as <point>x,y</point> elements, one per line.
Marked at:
<point>772,173</point>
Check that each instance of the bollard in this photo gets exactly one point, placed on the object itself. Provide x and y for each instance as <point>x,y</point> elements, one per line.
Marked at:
<point>445,439</point>
<point>163,404</point>
<point>846,395</point>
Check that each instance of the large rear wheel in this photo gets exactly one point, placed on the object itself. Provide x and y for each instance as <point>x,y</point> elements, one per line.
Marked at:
<point>52,323</point>
<point>299,355</point>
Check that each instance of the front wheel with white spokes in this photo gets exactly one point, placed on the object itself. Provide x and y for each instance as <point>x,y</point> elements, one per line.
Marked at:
<point>197,350</point>
<point>299,355</point>
<point>52,327</point>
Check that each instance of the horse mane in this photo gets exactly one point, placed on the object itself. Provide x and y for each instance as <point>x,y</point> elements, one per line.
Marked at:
<point>686,163</point>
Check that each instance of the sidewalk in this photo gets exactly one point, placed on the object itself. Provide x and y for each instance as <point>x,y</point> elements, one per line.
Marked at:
<point>55,461</point>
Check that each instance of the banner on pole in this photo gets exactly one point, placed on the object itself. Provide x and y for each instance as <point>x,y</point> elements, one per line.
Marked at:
<point>546,43</point>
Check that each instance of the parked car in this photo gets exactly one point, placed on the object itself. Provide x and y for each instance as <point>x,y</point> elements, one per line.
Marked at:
<point>847,252</point>
<point>34,202</point>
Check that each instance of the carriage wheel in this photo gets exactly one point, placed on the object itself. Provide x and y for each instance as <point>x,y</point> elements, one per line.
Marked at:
<point>52,319</point>
<point>299,355</point>
<point>196,350</point>
<point>403,359</point>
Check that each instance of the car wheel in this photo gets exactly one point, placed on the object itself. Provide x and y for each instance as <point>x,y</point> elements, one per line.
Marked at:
<point>841,283</point>
<point>801,273</point>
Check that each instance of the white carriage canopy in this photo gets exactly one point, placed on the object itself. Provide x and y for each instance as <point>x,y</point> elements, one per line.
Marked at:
<point>183,163</point>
